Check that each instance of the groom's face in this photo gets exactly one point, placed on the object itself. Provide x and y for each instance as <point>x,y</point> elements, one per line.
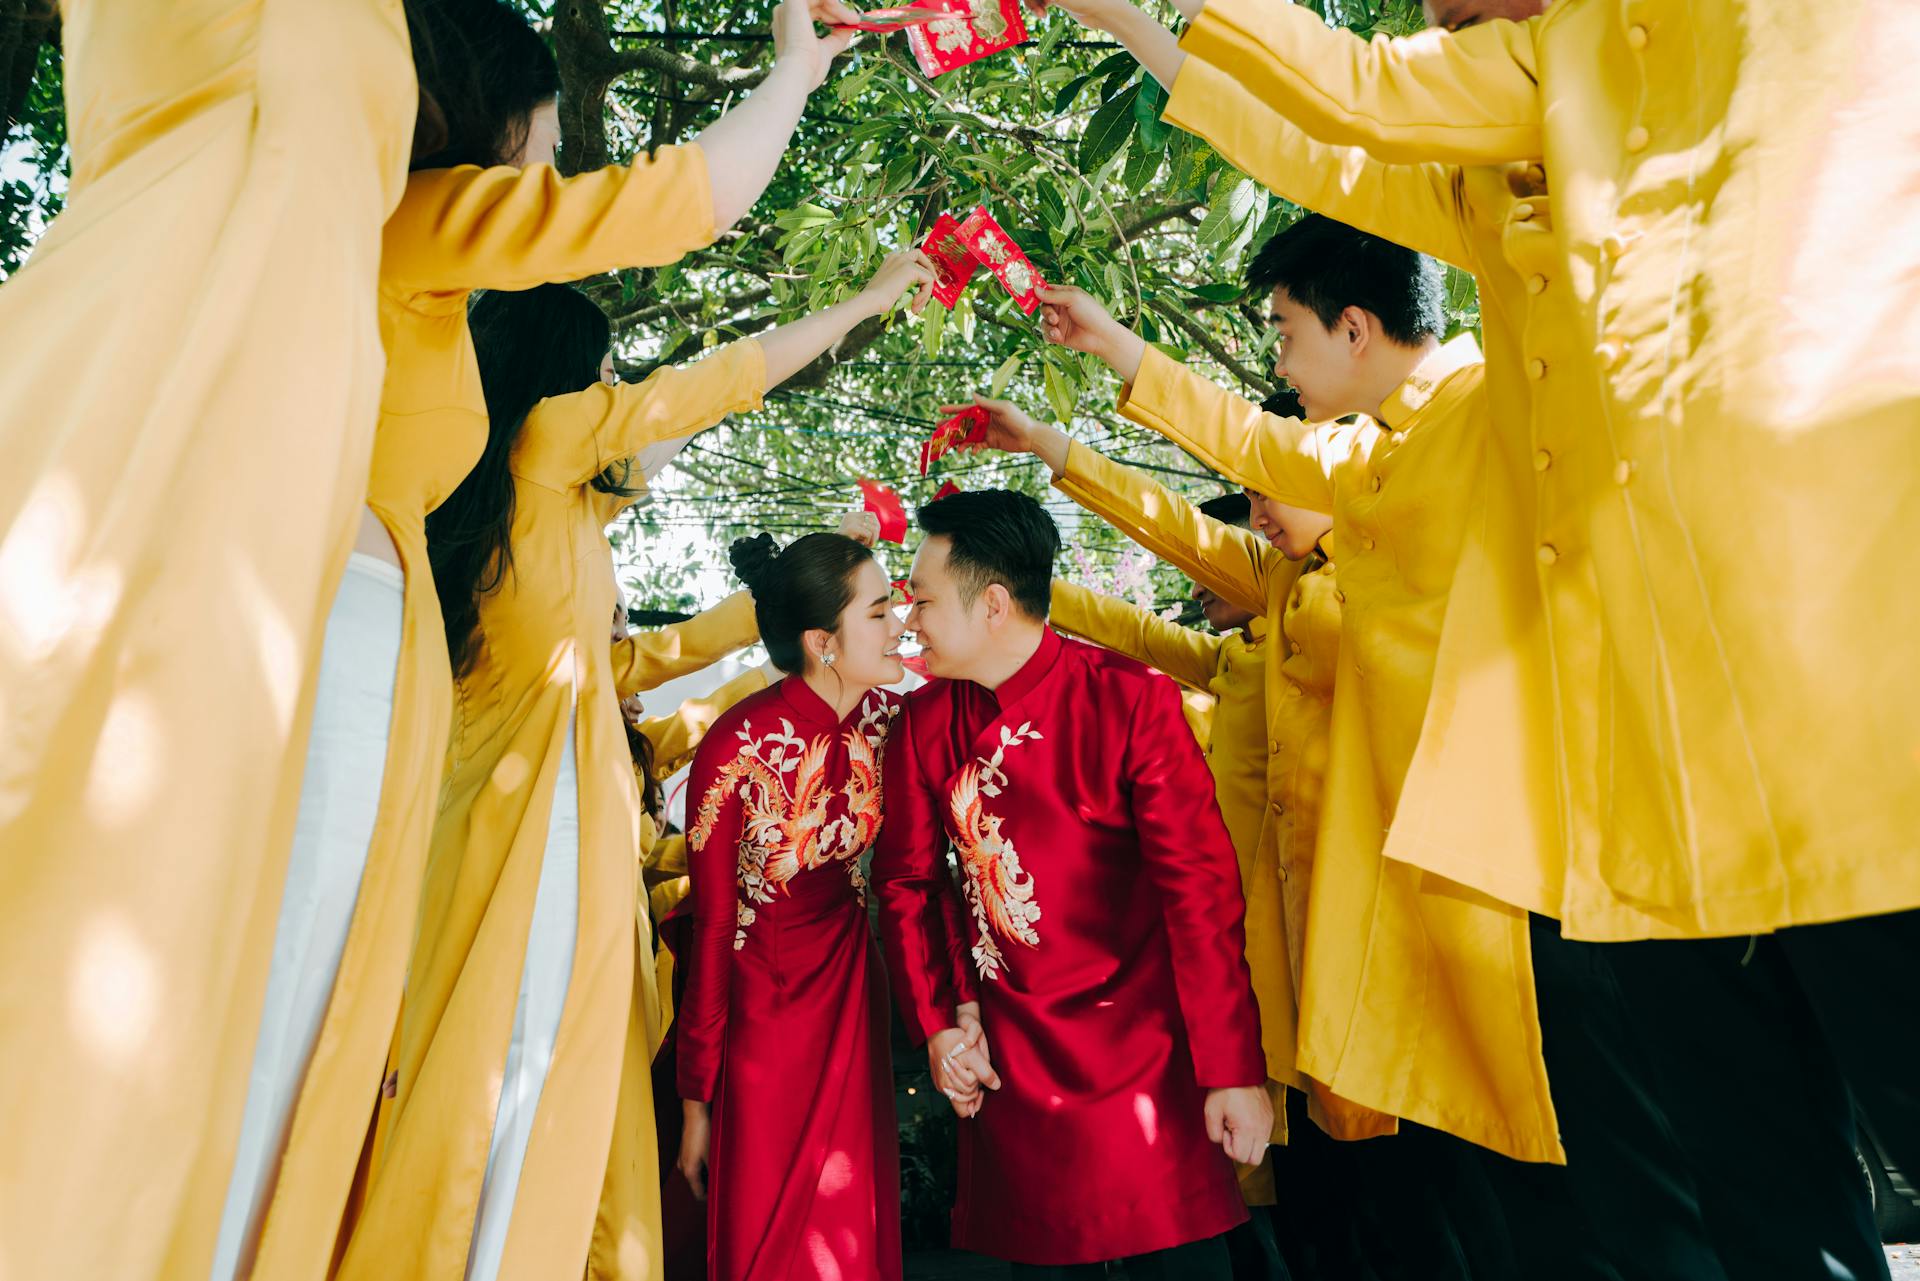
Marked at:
<point>953,632</point>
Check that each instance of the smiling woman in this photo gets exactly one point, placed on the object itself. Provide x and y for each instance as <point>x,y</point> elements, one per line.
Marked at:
<point>782,1037</point>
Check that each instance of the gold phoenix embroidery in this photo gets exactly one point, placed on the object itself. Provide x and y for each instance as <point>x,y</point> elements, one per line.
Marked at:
<point>784,829</point>
<point>997,888</point>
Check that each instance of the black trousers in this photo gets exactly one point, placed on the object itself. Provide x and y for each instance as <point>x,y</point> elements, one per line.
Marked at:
<point>1432,1215</point>
<point>1195,1261</point>
<point>1627,1204</point>
<point>1321,1214</point>
<point>1752,1040</point>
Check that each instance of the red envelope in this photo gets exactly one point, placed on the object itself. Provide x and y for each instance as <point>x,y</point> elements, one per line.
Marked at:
<point>987,27</point>
<point>884,503</point>
<point>1005,259</point>
<point>968,427</point>
<point>953,263</point>
<point>944,490</point>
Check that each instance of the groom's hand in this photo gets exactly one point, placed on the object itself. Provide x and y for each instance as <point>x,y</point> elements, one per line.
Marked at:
<point>1240,1120</point>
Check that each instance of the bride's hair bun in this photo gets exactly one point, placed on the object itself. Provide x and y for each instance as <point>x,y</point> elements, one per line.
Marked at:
<point>754,560</point>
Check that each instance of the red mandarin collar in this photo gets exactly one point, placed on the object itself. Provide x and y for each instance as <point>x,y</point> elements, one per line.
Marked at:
<point>1031,673</point>
<point>803,702</point>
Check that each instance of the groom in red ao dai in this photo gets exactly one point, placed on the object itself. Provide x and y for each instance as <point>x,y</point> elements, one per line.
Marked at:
<point>1098,923</point>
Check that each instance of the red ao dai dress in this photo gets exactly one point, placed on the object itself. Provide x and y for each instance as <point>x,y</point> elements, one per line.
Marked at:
<point>784,1025</point>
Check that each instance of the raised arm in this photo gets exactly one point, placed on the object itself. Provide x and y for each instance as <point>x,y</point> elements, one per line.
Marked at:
<point>1467,97</point>
<point>656,655</point>
<point>1187,853</point>
<point>1189,656</point>
<point>568,440</point>
<point>1287,459</point>
<point>675,738</point>
<point>920,926</point>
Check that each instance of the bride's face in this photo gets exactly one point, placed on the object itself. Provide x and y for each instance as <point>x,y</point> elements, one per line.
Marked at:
<point>865,642</point>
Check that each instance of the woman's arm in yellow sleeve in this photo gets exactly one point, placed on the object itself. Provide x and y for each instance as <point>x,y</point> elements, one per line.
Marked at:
<point>512,228</point>
<point>1416,205</point>
<point>1235,563</point>
<point>676,737</point>
<point>1188,656</point>
<point>1284,458</point>
<point>1467,97</point>
<point>568,440</point>
<point>658,654</point>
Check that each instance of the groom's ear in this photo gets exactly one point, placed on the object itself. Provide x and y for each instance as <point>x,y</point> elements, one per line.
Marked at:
<point>999,605</point>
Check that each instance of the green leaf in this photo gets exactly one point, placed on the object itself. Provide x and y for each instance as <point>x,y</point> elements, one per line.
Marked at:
<point>932,327</point>
<point>1107,130</point>
<point>1052,206</point>
<point>1147,107</point>
<point>1143,164</point>
<point>1060,394</point>
<point>1064,99</point>
<point>1216,291</point>
<point>1004,374</point>
<point>1233,201</point>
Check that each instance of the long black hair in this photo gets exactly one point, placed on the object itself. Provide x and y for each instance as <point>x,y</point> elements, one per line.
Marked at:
<point>482,71</point>
<point>531,344</point>
<point>806,586</point>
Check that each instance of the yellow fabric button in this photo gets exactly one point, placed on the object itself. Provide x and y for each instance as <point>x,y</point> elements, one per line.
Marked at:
<point>1536,284</point>
<point>1398,438</point>
<point>1273,746</point>
<point>1613,246</point>
<point>1542,460</point>
<point>1547,554</point>
<point>1522,211</point>
<point>1638,138</point>
<point>1341,597</point>
<point>1296,648</point>
<point>1376,484</point>
<point>1622,472</point>
<point>1608,354</point>
<point>1536,369</point>
<point>1278,809</point>
<point>1366,544</point>
<point>1636,37</point>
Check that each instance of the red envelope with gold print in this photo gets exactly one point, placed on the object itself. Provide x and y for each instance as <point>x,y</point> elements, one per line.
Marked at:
<point>1006,260</point>
<point>968,427</point>
<point>987,27</point>
<point>953,262</point>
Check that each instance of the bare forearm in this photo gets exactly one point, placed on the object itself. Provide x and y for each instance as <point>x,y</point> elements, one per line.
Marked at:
<point>1152,45</point>
<point>793,347</point>
<point>744,146</point>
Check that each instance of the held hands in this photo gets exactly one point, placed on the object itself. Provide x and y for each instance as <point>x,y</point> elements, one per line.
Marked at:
<point>696,1134</point>
<point>908,269</point>
<point>1012,430</point>
<point>1240,1120</point>
<point>1075,319</point>
<point>961,1062</point>
<point>796,44</point>
<point>862,527</point>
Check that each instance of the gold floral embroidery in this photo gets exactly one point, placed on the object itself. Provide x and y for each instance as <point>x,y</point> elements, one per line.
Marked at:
<point>997,888</point>
<point>781,782</point>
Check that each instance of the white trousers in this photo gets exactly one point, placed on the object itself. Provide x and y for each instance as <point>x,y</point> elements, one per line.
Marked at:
<point>339,800</point>
<point>544,977</point>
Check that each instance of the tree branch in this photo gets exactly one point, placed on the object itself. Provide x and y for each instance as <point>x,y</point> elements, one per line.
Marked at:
<point>1196,331</point>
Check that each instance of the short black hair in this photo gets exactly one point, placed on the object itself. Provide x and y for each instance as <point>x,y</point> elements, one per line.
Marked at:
<point>997,536</point>
<point>1327,266</point>
<point>1229,509</point>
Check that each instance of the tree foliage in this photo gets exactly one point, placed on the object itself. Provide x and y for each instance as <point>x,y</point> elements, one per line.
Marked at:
<point>1060,138</point>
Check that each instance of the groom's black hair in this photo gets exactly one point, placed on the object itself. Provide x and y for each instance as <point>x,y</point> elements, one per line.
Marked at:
<point>997,536</point>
